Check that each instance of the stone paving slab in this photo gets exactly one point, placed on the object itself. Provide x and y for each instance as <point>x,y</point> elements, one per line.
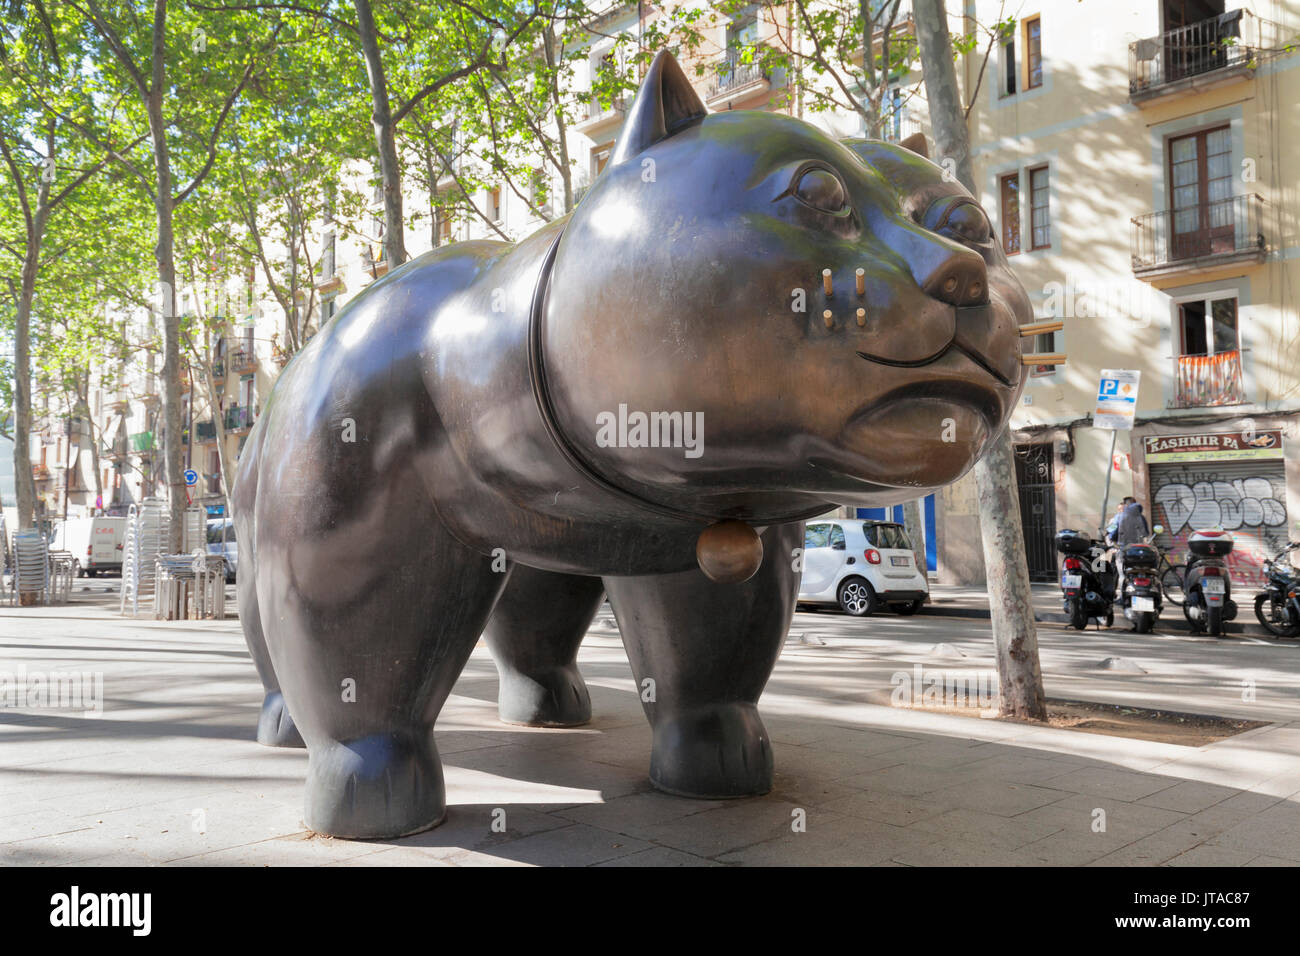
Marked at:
<point>170,774</point>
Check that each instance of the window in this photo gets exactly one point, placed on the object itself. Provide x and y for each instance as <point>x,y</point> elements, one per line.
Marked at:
<point>1208,327</point>
<point>328,306</point>
<point>1033,53</point>
<point>1010,190</point>
<point>443,220</point>
<point>1044,343</point>
<point>887,536</point>
<point>1200,182</point>
<point>494,203</point>
<point>837,538</point>
<point>817,536</point>
<point>742,32</point>
<point>600,159</point>
<point>1040,219</point>
<point>539,193</point>
<point>1208,370</point>
<point>1009,66</point>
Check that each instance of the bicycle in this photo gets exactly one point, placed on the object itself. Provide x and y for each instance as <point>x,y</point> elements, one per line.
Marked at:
<point>1171,580</point>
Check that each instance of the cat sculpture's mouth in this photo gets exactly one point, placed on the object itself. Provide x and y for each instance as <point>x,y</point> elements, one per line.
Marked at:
<point>973,334</point>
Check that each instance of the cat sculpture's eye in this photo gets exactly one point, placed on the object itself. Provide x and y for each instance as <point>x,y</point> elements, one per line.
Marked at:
<point>960,218</point>
<point>820,188</point>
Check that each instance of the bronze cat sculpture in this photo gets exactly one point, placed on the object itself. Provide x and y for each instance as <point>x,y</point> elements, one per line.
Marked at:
<point>745,323</point>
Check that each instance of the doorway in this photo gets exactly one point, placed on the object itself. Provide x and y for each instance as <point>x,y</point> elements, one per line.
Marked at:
<point>1035,477</point>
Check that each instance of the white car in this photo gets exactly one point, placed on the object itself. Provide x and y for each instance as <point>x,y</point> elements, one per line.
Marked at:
<point>221,540</point>
<point>861,566</point>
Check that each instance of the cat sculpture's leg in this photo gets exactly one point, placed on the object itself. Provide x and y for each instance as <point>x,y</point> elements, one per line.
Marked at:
<point>534,635</point>
<point>275,728</point>
<point>369,621</point>
<point>702,653</point>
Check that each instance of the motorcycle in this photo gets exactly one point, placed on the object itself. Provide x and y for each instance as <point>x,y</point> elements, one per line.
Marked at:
<point>1278,605</point>
<point>1207,584</point>
<point>1087,579</point>
<point>1140,594</point>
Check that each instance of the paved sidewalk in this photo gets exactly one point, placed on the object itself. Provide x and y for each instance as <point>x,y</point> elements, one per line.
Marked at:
<point>170,773</point>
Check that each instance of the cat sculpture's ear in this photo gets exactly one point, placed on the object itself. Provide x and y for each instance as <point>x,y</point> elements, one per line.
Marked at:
<point>665,104</point>
<point>916,143</point>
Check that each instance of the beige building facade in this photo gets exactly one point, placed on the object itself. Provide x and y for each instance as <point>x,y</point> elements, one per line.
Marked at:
<point>1137,159</point>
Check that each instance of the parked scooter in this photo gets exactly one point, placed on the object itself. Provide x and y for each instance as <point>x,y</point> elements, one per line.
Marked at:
<point>1140,594</point>
<point>1207,584</point>
<point>1087,579</point>
<point>1278,605</point>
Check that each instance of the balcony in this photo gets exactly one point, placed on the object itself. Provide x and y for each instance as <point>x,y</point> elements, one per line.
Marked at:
<point>40,472</point>
<point>141,443</point>
<point>734,80</point>
<point>1209,380</point>
<point>205,431</point>
<point>601,117</point>
<point>239,418</point>
<point>1198,57</point>
<point>899,127</point>
<point>219,371</point>
<point>243,361</point>
<point>1172,241</point>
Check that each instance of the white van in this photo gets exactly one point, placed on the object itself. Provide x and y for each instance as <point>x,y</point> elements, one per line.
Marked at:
<point>95,543</point>
<point>861,566</point>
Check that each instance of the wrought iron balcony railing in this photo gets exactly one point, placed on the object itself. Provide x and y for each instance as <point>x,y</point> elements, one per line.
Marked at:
<point>598,107</point>
<point>732,73</point>
<point>1231,42</point>
<point>239,417</point>
<point>1205,234</point>
<point>242,361</point>
<point>205,431</point>
<point>1205,380</point>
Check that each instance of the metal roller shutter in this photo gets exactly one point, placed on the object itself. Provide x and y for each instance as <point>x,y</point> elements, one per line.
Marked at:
<point>1247,498</point>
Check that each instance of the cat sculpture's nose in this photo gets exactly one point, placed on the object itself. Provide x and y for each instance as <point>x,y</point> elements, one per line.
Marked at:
<point>958,277</point>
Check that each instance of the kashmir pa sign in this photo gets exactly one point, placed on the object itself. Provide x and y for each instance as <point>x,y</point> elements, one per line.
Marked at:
<point>1213,446</point>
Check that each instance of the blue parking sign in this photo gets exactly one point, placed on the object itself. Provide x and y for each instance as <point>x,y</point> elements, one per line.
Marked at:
<point>1117,392</point>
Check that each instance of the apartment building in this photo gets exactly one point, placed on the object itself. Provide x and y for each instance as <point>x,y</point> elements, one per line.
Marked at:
<point>1137,161</point>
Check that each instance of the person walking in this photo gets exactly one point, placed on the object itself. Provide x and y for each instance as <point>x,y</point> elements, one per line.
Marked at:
<point>1133,527</point>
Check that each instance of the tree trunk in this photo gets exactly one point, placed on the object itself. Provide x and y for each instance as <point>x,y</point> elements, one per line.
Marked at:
<point>24,482</point>
<point>164,253</point>
<point>561,128</point>
<point>1010,598</point>
<point>381,119</point>
<point>915,532</point>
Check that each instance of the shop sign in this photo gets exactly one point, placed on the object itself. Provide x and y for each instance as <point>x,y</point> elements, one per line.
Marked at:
<point>1213,446</point>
